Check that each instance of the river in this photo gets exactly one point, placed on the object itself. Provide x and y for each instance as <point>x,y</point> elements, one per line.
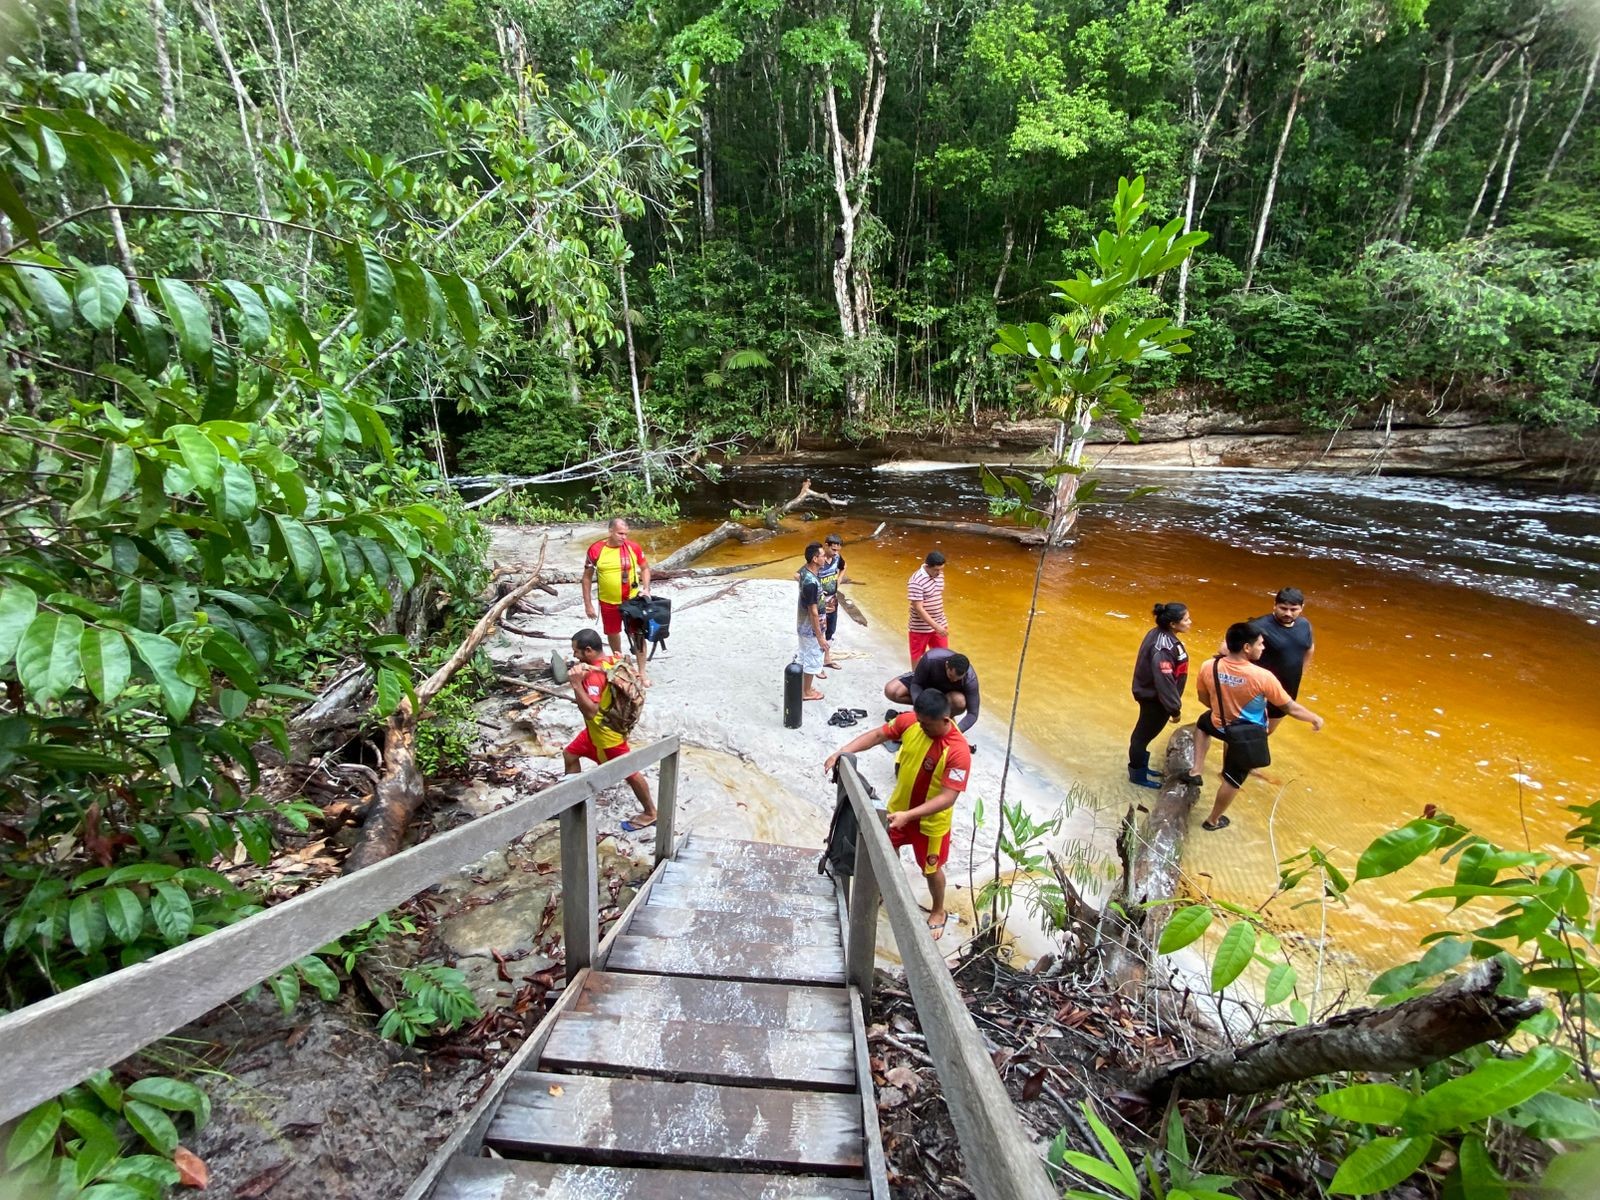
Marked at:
<point>1457,632</point>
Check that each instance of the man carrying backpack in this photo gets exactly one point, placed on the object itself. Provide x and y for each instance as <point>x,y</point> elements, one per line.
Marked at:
<point>620,566</point>
<point>609,696</point>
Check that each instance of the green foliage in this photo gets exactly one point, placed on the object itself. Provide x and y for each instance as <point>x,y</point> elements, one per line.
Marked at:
<point>447,732</point>
<point>1168,1176</point>
<point>437,1000</point>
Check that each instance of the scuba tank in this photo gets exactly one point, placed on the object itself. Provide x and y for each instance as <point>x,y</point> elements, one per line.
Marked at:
<point>793,705</point>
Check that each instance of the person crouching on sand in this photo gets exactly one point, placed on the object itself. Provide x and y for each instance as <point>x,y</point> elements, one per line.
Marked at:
<point>930,773</point>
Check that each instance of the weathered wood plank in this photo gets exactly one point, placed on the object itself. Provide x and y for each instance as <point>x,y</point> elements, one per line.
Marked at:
<point>701,1051</point>
<point>580,912</point>
<point>509,1179</point>
<point>666,808</point>
<point>704,872</point>
<point>877,1168</point>
<point>642,1122</point>
<point>714,899</point>
<point>755,961</point>
<point>684,998</point>
<point>49,1046</point>
<point>727,928</point>
<point>733,852</point>
<point>1003,1162</point>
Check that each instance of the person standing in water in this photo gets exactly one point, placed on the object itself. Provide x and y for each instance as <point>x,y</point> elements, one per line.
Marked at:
<point>928,628</point>
<point>1289,646</point>
<point>1236,691</point>
<point>1159,675</point>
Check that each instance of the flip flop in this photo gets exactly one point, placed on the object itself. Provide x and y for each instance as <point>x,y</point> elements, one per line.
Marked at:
<point>818,696</point>
<point>842,719</point>
<point>938,930</point>
<point>859,714</point>
<point>633,827</point>
<point>1222,823</point>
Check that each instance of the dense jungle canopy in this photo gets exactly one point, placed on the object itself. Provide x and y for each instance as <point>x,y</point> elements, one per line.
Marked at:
<point>819,224</point>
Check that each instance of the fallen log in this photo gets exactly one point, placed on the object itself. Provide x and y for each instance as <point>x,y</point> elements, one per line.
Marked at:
<point>1464,1012</point>
<point>1151,852</point>
<point>686,554</point>
<point>1022,535</point>
<point>401,787</point>
<point>771,515</point>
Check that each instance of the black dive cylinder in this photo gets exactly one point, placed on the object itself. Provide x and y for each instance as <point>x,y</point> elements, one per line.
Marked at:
<point>793,705</point>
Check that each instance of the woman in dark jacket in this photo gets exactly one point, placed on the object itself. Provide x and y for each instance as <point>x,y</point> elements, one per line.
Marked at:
<point>1158,678</point>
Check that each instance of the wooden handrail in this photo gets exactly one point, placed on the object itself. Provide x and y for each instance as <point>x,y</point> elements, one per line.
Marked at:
<point>56,1043</point>
<point>1003,1162</point>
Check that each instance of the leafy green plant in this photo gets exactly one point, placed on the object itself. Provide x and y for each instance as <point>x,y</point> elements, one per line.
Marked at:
<point>103,1140</point>
<point>1169,1175</point>
<point>369,936</point>
<point>437,1000</point>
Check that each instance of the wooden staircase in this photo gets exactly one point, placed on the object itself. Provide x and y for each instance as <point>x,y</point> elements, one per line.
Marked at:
<point>714,1050</point>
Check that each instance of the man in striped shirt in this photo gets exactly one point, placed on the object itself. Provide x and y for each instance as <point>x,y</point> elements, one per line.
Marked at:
<point>929,630</point>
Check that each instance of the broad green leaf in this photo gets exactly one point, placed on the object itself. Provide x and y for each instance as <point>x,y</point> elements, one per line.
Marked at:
<point>86,922</point>
<point>332,558</point>
<point>285,985</point>
<point>173,912</point>
<point>416,311</point>
<point>253,320</point>
<point>199,453</point>
<point>147,338</point>
<point>34,1134</point>
<point>1280,984</point>
<point>1398,848</point>
<point>1095,1168</point>
<point>189,317</point>
<point>153,1125</point>
<point>1489,1088</point>
<point>1368,1103</point>
<point>48,661</point>
<point>173,1095</point>
<point>162,657</point>
<point>13,205</point>
<point>305,556</point>
<point>228,655</point>
<point>1379,1164</point>
<point>124,913</point>
<point>113,478</point>
<point>1186,925</point>
<point>1234,953</point>
<point>98,1148</point>
<point>1474,1176</point>
<point>371,286</point>
<point>101,293</point>
<point>18,607</point>
<point>317,973</point>
<point>47,294</point>
<point>236,495</point>
<point>106,662</point>
<point>1552,1116</point>
<point>464,305</point>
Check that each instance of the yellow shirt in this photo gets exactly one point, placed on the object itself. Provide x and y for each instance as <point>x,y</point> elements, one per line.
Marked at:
<point>619,577</point>
<point>597,686</point>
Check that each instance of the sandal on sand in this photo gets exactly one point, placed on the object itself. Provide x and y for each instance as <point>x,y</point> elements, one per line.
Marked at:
<point>1221,823</point>
<point>844,718</point>
<point>859,714</point>
<point>814,696</point>
<point>636,826</point>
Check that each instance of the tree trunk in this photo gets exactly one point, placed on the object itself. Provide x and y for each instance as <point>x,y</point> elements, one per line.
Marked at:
<point>1483,187</point>
<point>402,788</point>
<point>1519,110</point>
<point>1064,512</point>
<point>1272,177</point>
<point>1464,1012</point>
<point>1577,115</point>
<point>708,183</point>
<point>241,98</point>
<point>169,103</point>
<point>280,70</point>
<point>1005,255</point>
<point>633,364</point>
<point>1197,156</point>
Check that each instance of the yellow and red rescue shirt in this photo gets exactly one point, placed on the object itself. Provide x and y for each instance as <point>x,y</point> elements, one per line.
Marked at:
<point>596,684</point>
<point>619,569</point>
<point>925,767</point>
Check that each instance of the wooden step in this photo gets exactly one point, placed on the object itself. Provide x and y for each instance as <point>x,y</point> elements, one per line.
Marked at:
<point>643,1122</point>
<point>687,890</point>
<point>704,871</point>
<point>681,998</point>
<point>470,1178</point>
<point>701,1052</point>
<point>734,852</point>
<point>733,928</point>
<point>761,962</point>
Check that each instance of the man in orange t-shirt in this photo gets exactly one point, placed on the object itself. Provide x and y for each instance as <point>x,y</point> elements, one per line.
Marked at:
<point>1236,692</point>
<point>931,771</point>
<point>623,573</point>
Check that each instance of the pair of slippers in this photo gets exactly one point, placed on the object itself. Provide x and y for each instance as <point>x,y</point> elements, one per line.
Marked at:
<point>847,717</point>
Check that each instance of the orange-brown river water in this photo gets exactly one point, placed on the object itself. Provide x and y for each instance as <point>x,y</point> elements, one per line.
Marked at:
<point>1457,650</point>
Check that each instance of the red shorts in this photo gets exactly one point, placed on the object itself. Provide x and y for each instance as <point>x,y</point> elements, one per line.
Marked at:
<point>932,852</point>
<point>583,746</point>
<point>610,617</point>
<point>921,643</point>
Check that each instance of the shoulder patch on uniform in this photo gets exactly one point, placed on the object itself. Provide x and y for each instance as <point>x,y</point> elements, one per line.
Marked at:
<point>957,774</point>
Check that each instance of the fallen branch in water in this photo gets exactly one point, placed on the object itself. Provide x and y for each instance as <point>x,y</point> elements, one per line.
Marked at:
<point>772,514</point>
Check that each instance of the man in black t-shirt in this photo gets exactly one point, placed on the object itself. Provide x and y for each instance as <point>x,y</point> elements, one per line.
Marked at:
<point>1289,646</point>
<point>944,671</point>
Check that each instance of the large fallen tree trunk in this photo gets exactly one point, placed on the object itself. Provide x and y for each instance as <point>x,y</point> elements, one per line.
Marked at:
<point>1015,533</point>
<point>401,787</point>
<point>1151,852</point>
<point>771,515</point>
<point>686,554</point>
<point>1463,1012</point>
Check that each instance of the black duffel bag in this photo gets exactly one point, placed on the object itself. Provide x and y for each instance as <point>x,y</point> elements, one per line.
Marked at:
<point>647,619</point>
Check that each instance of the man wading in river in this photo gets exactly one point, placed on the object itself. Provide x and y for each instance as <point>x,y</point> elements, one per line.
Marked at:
<point>930,773</point>
<point>1289,646</point>
<point>1236,693</point>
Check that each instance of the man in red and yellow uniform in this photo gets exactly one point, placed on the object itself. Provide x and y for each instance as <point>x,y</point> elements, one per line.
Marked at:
<point>931,771</point>
<point>591,688</point>
<point>620,566</point>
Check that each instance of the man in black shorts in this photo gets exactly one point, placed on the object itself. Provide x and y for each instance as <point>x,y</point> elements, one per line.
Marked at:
<point>1289,646</point>
<point>944,671</point>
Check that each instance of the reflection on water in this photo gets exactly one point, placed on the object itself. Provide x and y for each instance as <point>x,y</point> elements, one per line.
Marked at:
<point>1441,683</point>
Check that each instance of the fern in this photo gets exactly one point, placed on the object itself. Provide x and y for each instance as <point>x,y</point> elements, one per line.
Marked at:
<point>744,360</point>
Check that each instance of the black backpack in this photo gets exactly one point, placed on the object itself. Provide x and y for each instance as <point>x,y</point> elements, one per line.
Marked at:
<point>648,619</point>
<point>839,852</point>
